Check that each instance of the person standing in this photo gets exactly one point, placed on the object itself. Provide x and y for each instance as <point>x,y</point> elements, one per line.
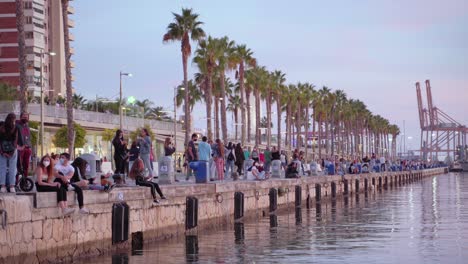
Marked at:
<point>204,150</point>
<point>8,152</point>
<point>169,148</point>
<point>254,155</point>
<point>239,158</point>
<point>275,154</point>
<point>145,150</point>
<point>25,142</point>
<point>218,157</point>
<point>246,153</point>
<point>230,158</point>
<point>133,154</point>
<point>120,152</point>
<point>192,154</point>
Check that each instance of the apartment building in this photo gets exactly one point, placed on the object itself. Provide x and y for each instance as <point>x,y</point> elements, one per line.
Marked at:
<point>43,26</point>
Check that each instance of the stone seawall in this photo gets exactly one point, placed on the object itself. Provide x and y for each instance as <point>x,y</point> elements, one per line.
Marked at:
<point>36,232</point>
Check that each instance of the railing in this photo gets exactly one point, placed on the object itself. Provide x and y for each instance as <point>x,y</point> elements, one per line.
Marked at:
<point>86,116</point>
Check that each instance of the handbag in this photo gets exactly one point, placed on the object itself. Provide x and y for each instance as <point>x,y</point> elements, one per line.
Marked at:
<point>8,146</point>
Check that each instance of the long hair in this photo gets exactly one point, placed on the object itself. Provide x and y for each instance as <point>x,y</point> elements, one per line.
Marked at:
<point>167,142</point>
<point>146,131</point>
<point>80,164</point>
<point>137,169</point>
<point>10,123</point>
<point>220,147</point>
<point>117,135</point>
<point>49,169</point>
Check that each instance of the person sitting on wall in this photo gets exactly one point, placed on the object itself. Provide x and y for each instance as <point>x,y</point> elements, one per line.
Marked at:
<point>79,164</point>
<point>137,173</point>
<point>45,183</point>
<point>292,170</point>
<point>258,172</point>
<point>63,173</point>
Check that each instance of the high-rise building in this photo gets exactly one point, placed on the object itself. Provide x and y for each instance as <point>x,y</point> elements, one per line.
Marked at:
<point>43,26</point>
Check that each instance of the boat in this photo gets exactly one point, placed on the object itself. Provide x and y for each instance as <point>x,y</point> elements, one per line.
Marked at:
<point>456,167</point>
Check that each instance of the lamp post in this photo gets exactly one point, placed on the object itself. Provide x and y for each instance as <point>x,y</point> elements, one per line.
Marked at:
<point>175,123</point>
<point>50,53</point>
<point>120,102</point>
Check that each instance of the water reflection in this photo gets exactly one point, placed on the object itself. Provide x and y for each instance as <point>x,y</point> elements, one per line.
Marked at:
<point>121,258</point>
<point>425,222</point>
<point>191,248</point>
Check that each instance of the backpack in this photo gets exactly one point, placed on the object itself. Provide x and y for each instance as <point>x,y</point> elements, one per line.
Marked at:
<point>230,156</point>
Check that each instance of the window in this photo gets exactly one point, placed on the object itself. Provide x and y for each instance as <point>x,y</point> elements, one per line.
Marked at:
<point>38,25</point>
<point>29,35</point>
<point>28,20</point>
<point>45,68</point>
<point>27,5</point>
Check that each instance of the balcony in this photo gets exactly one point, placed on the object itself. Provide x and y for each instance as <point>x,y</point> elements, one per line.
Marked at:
<point>71,10</point>
<point>72,64</point>
<point>72,50</point>
<point>71,37</point>
<point>71,23</point>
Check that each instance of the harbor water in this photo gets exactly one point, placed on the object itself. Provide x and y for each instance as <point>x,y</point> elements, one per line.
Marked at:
<point>423,222</point>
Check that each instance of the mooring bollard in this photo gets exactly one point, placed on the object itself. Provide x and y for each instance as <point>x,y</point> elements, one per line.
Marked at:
<point>373,182</point>
<point>239,233</point>
<point>366,184</point>
<point>273,199</point>
<point>191,212</point>
<point>380,182</point>
<point>238,205</point>
<point>346,187</point>
<point>386,183</point>
<point>356,186</point>
<point>298,194</point>
<point>298,215</point>
<point>333,189</point>
<point>318,192</point>
<point>120,222</point>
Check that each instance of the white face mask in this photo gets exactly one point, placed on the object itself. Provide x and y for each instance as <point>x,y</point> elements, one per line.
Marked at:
<point>46,163</point>
<point>62,161</point>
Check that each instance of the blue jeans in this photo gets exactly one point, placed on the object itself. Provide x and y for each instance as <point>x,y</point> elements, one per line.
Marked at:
<point>147,163</point>
<point>10,164</point>
<point>229,166</point>
<point>267,166</point>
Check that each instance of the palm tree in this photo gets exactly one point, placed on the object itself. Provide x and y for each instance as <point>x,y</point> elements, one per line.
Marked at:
<point>69,91</point>
<point>195,95</point>
<point>78,101</point>
<point>22,56</point>
<point>233,106</point>
<point>278,91</point>
<point>185,27</point>
<point>242,56</point>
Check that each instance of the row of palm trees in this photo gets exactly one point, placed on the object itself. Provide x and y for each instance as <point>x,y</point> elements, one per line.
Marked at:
<point>328,119</point>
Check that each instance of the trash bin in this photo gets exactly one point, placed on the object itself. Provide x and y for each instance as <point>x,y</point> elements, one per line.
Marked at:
<point>247,164</point>
<point>276,169</point>
<point>202,170</point>
<point>91,166</point>
<point>313,169</point>
<point>166,170</point>
<point>331,169</point>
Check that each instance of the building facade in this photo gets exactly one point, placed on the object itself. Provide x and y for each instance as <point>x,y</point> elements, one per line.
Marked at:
<point>43,26</point>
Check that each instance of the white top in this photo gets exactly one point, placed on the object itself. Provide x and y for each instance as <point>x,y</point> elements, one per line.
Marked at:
<point>65,170</point>
<point>382,160</point>
<point>283,158</point>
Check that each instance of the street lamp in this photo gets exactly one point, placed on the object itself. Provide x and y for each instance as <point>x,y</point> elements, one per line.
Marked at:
<point>42,53</point>
<point>120,102</point>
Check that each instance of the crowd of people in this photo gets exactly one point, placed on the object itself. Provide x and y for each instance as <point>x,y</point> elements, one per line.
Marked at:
<point>57,173</point>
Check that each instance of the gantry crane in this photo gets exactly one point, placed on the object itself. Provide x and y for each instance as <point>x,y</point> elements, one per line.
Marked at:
<point>439,132</point>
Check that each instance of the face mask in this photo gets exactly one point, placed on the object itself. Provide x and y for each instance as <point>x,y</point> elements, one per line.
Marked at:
<point>46,163</point>
<point>24,120</point>
<point>62,161</point>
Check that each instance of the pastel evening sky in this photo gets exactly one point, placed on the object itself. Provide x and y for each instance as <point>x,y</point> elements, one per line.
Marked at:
<point>373,50</point>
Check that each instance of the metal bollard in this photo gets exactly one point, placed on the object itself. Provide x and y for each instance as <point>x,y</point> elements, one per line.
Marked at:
<point>238,205</point>
<point>333,190</point>
<point>318,192</point>
<point>298,195</point>
<point>273,199</point>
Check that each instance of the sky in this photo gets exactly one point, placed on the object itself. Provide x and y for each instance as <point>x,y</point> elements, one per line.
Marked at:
<point>373,50</point>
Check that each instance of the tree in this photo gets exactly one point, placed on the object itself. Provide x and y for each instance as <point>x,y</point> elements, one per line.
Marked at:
<point>22,56</point>
<point>136,133</point>
<point>7,92</point>
<point>242,56</point>
<point>60,139</point>
<point>233,106</point>
<point>69,87</point>
<point>78,101</point>
<point>185,27</point>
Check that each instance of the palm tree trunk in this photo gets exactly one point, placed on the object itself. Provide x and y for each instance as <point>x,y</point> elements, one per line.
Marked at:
<point>236,120</point>
<point>258,138</point>
<point>208,98</point>
<point>306,119</point>
<point>223,107</point>
<point>70,127</point>
<point>22,56</point>
<point>268,103</point>
<point>319,137</point>
<point>187,119</point>
<point>249,121</point>
<point>278,120</point>
<point>241,88</point>
<point>216,119</point>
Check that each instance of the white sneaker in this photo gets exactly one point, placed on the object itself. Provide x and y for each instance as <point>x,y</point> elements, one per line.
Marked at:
<point>3,190</point>
<point>71,188</point>
<point>68,211</point>
<point>84,211</point>
<point>12,190</point>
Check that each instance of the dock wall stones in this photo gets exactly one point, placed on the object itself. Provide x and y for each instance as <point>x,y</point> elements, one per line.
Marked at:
<point>36,232</point>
